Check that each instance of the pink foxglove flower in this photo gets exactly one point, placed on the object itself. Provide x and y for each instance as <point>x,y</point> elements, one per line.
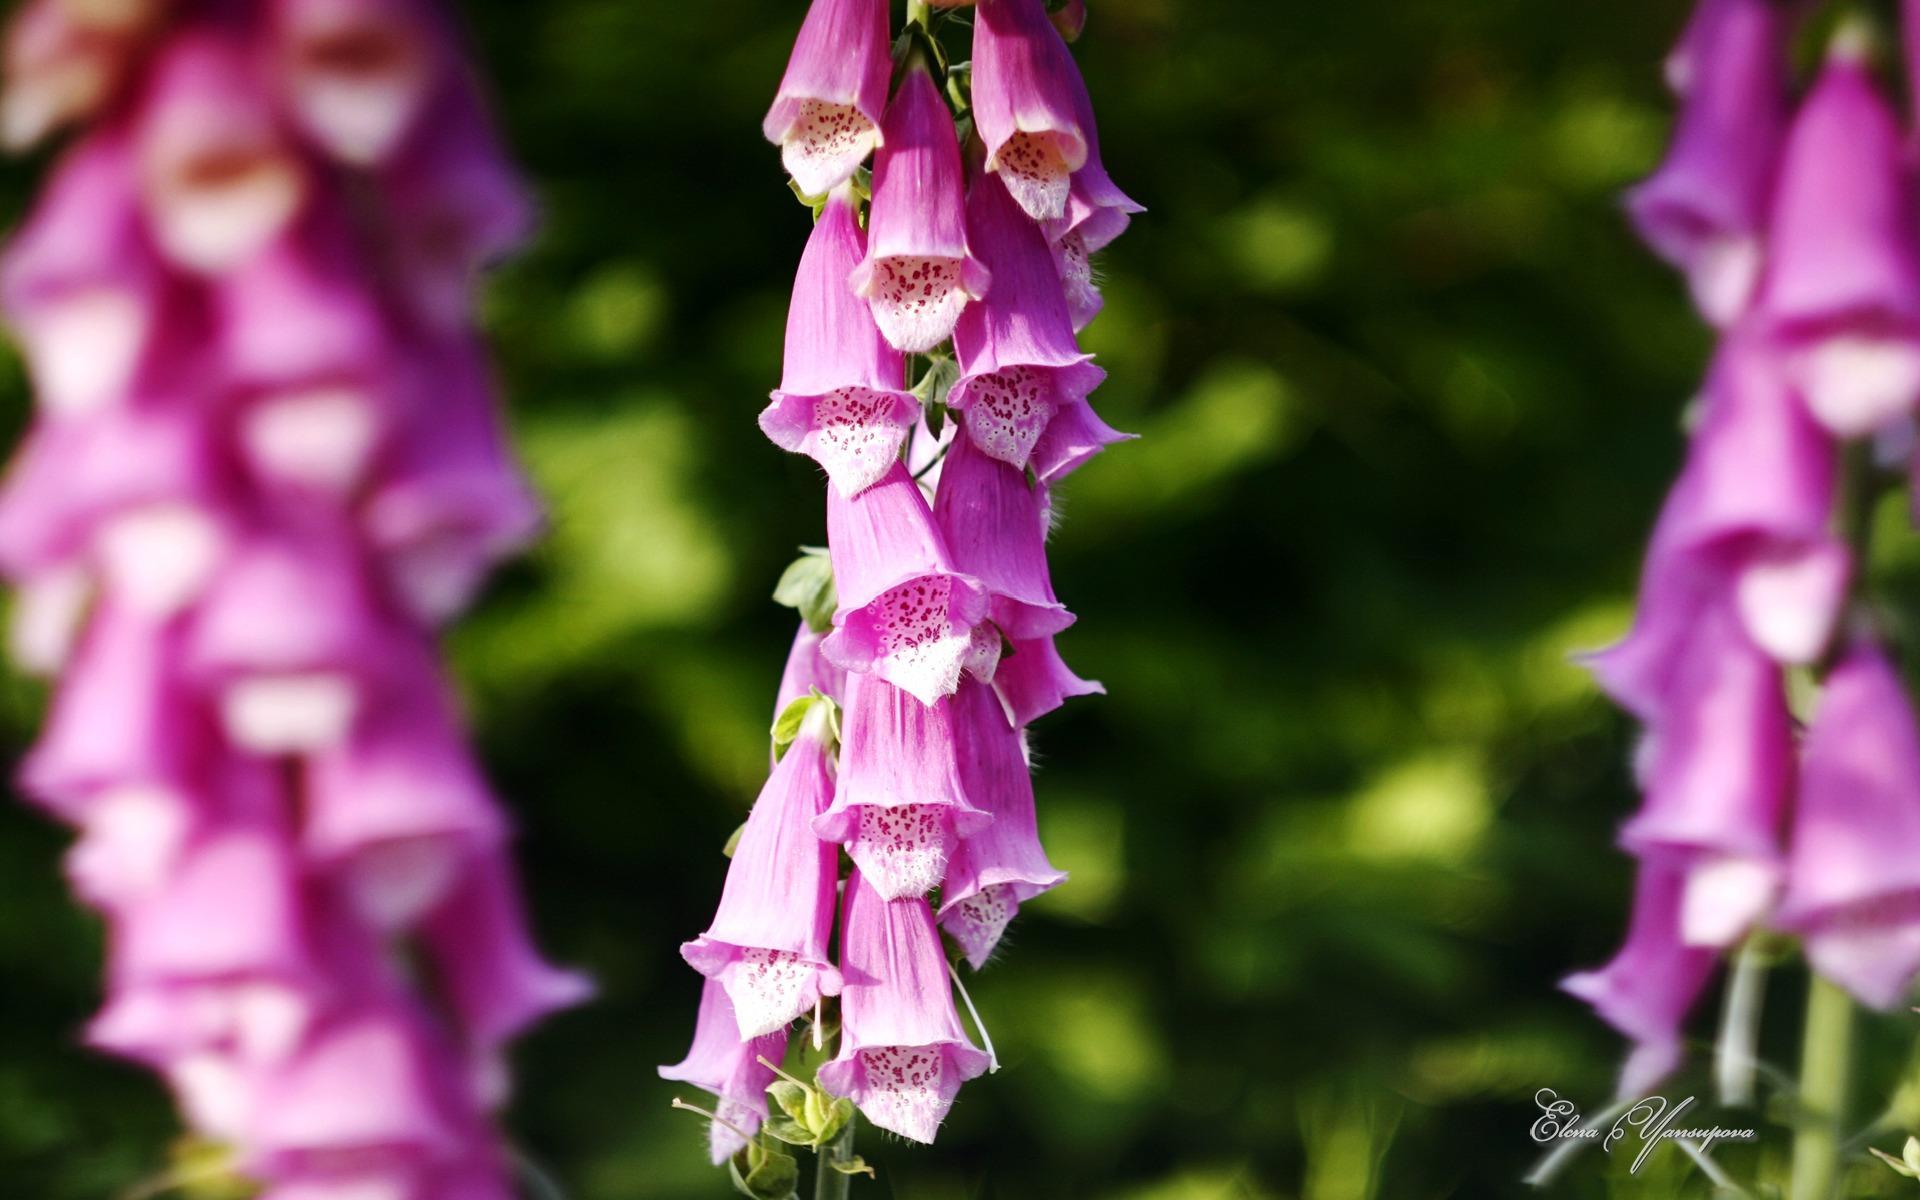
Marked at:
<point>722,1063</point>
<point>768,942</point>
<point>218,179</point>
<point>357,73</point>
<point>995,871</point>
<point>1029,104</point>
<point>903,1055</point>
<point>900,804</point>
<point>398,808</point>
<point>1749,522</point>
<point>918,273</point>
<point>842,397</point>
<point>1648,988</point>
<point>1853,880</point>
<point>906,614</point>
<point>826,116</point>
<point>1705,209</point>
<point>493,978</point>
<point>79,283</point>
<point>1841,292</point>
<point>1719,765</point>
<point>808,671</point>
<point>451,503</point>
<point>1032,680</point>
<point>995,525</point>
<point>265,460</point>
<point>1024,381</point>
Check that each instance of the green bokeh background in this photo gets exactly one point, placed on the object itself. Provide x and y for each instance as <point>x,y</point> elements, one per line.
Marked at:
<point>1408,394</point>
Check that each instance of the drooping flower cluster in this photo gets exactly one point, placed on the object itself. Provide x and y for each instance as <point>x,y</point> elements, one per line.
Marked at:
<point>907,697</point>
<point>265,464</point>
<point>1795,219</point>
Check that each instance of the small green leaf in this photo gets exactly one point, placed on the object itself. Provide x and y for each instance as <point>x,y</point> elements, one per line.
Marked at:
<point>852,1166</point>
<point>764,1173</point>
<point>733,840</point>
<point>807,585</point>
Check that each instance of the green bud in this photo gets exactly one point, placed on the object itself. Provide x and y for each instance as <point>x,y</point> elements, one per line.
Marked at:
<point>733,840</point>
<point>765,1173</point>
<point>807,585</point>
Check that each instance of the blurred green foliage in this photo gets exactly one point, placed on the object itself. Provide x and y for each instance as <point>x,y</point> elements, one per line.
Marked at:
<point>1409,395</point>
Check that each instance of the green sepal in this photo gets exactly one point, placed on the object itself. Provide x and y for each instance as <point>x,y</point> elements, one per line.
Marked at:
<point>764,1173</point>
<point>1908,1164</point>
<point>852,1166</point>
<point>812,1117</point>
<point>933,385</point>
<point>807,585</point>
<point>733,840</point>
<point>791,1097</point>
<point>202,1169</point>
<point>793,718</point>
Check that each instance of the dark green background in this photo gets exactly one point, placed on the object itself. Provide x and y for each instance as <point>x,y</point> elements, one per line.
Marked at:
<point>1409,396</point>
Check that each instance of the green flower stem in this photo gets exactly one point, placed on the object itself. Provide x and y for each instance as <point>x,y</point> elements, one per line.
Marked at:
<point>920,12</point>
<point>828,1183</point>
<point>1826,1066</point>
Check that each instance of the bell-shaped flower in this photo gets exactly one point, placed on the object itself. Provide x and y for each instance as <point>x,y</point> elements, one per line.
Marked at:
<point>80,284</point>
<point>454,204</point>
<point>808,671</point>
<point>1029,105</point>
<point>1097,213</point>
<point>995,525</point>
<point>841,398</point>
<point>121,722</point>
<point>995,871</point>
<point>899,804</point>
<point>220,953</point>
<point>137,493</point>
<point>218,180</point>
<point>826,116</point>
<point>398,809</point>
<point>722,1063</point>
<point>1748,519</point>
<point>376,1086</point>
<point>65,62</point>
<point>356,73</point>
<point>492,976</point>
<point>768,943</point>
<point>918,273</point>
<point>1032,680</point>
<point>1024,382</point>
<point>903,1055</point>
<point>301,346</point>
<point>289,642</point>
<point>906,614</point>
<point>1719,765</point>
<point>1853,868</point>
<point>1705,209</point>
<point>1646,991</point>
<point>1841,291</point>
<point>450,502</point>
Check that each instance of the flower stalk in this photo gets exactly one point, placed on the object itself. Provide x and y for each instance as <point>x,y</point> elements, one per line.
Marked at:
<point>1826,1069</point>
